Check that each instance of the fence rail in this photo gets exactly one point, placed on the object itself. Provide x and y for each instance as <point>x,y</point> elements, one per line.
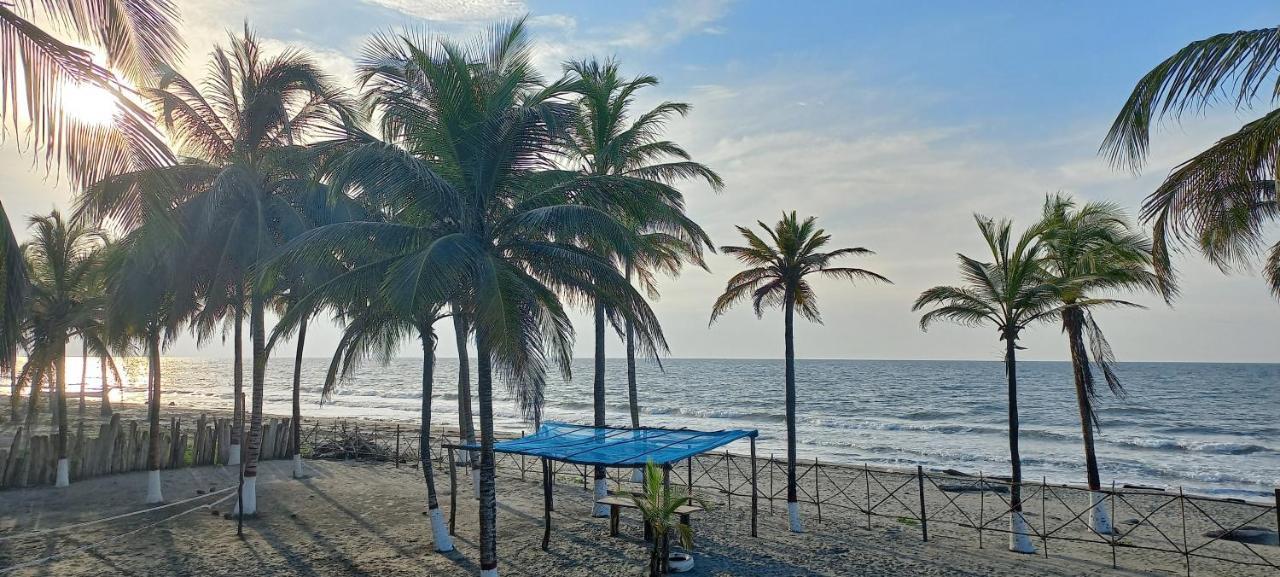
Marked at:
<point>1188,529</point>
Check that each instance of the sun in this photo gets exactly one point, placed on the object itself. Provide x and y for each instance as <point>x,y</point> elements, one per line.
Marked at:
<point>88,103</point>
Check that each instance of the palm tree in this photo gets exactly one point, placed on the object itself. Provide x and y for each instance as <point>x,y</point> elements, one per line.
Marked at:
<point>14,283</point>
<point>470,133</point>
<point>62,258</point>
<point>1087,250</point>
<point>1009,293</point>
<point>1223,200</point>
<point>605,142</point>
<point>238,181</point>
<point>778,277</point>
<point>38,69</point>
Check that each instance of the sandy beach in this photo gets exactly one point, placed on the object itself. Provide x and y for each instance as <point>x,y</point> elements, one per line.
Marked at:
<point>353,518</point>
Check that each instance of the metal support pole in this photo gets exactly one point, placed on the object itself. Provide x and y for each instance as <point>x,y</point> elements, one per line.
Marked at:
<point>689,474</point>
<point>755,494</point>
<point>924,518</point>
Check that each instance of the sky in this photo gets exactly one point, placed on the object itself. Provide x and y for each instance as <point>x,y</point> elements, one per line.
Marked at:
<point>891,122</point>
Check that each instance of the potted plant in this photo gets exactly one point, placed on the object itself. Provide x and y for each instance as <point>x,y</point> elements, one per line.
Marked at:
<point>659,508</point>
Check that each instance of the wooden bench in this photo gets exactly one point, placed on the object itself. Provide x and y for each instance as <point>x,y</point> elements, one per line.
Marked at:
<point>617,502</point>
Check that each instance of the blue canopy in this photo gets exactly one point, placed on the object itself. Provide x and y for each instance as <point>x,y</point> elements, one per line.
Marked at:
<point>618,447</point>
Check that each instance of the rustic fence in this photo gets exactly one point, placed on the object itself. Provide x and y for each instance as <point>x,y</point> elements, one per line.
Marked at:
<point>1180,531</point>
<point>121,447</point>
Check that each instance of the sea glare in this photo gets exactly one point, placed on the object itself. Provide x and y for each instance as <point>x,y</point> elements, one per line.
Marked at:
<point>1211,428</point>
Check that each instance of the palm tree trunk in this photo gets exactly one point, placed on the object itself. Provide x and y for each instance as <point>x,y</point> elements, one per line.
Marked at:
<point>64,470</point>
<point>1019,537</point>
<point>84,372</point>
<point>488,495</point>
<point>597,396</point>
<point>33,397</point>
<point>438,530</point>
<point>237,380</point>
<point>15,397</point>
<point>105,408</point>
<point>154,494</point>
<point>1073,322</point>
<point>633,394</point>
<point>295,435</point>
<point>466,422</point>
<point>793,505</point>
<point>257,333</point>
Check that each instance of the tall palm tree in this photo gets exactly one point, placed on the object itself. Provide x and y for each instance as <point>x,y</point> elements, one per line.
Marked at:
<point>38,67</point>
<point>1010,293</point>
<point>779,277</point>
<point>1087,250</point>
<point>1223,200</point>
<point>242,136</point>
<point>62,259</point>
<point>605,141</point>
<point>469,133</point>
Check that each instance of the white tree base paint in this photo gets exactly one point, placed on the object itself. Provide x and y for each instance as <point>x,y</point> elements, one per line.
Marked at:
<point>64,473</point>
<point>233,455</point>
<point>601,491</point>
<point>297,467</point>
<point>475,483</point>
<point>154,495</point>
<point>489,572</point>
<point>440,532</point>
<point>637,475</point>
<point>793,516</point>
<point>1020,534</point>
<point>1100,518</point>
<point>248,498</point>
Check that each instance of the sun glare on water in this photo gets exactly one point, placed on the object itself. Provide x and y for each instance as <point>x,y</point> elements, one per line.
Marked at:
<point>88,103</point>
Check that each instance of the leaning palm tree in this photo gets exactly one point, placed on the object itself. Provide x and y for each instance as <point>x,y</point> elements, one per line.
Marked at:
<point>62,258</point>
<point>469,134</point>
<point>237,183</point>
<point>1223,200</point>
<point>1088,250</point>
<point>1010,293</point>
<point>605,141</point>
<point>779,277</point>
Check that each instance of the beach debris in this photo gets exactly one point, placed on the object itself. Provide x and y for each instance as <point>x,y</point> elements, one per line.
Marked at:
<point>351,443</point>
<point>1131,521</point>
<point>973,487</point>
<point>1247,534</point>
<point>199,491</point>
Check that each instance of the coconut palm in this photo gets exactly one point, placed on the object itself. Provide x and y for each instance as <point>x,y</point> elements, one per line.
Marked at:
<point>1087,250</point>
<point>62,258</point>
<point>469,133</point>
<point>1010,293</point>
<point>605,141</point>
<point>40,67</point>
<point>241,135</point>
<point>779,277</point>
<point>1223,200</point>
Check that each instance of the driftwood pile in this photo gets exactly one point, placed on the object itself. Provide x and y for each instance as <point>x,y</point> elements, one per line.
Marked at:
<point>344,443</point>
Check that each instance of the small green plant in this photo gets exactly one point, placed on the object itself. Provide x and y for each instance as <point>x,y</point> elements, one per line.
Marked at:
<point>659,506</point>
<point>908,521</point>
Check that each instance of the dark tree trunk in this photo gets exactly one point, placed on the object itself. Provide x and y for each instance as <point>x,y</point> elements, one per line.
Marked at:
<point>466,422</point>
<point>1015,457</point>
<point>60,369</point>
<point>1073,322</point>
<point>597,389</point>
<point>633,394</point>
<point>295,437</point>
<point>237,376</point>
<point>257,332</point>
<point>428,336</point>
<point>105,408</point>
<point>153,413</point>
<point>488,495</point>
<point>789,320</point>
<point>14,398</point>
<point>84,373</point>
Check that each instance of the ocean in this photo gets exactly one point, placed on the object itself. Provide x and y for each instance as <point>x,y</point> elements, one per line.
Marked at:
<point>1210,428</point>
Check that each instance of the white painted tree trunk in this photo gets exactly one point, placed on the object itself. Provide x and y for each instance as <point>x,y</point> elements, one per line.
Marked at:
<point>489,572</point>
<point>64,473</point>
<point>475,483</point>
<point>233,455</point>
<point>154,495</point>
<point>1100,518</point>
<point>248,498</point>
<point>297,467</point>
<point>793,516</point>
<point>440,532</point>
<point>1020,534</point>
<point>637,475</point>
<point>601,491</point>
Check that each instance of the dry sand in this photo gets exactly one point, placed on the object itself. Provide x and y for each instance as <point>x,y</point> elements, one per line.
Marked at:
<point>368,519</point>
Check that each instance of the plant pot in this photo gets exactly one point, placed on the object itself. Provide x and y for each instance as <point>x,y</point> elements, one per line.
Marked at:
<point>678,562</point>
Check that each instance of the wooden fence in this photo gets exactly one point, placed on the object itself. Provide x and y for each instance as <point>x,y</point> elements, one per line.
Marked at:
<point>120,447</point>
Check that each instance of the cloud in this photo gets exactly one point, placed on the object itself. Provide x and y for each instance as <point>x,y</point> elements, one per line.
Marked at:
<point>672,24</point>
<point>455,10</point>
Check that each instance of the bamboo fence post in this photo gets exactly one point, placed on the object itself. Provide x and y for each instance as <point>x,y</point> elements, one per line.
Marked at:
<point>866,475</point>
<point>1112,540</point>
<point>924,518</point>
<point>397,445</point>
<point>728,479</point>
<point>1182,500</point>
<point>522,464</point>
<point>817,496</point>
<point>1044,515</point>
<point>546,504</point>
<point>982,505</point>
<point>771,493</point>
